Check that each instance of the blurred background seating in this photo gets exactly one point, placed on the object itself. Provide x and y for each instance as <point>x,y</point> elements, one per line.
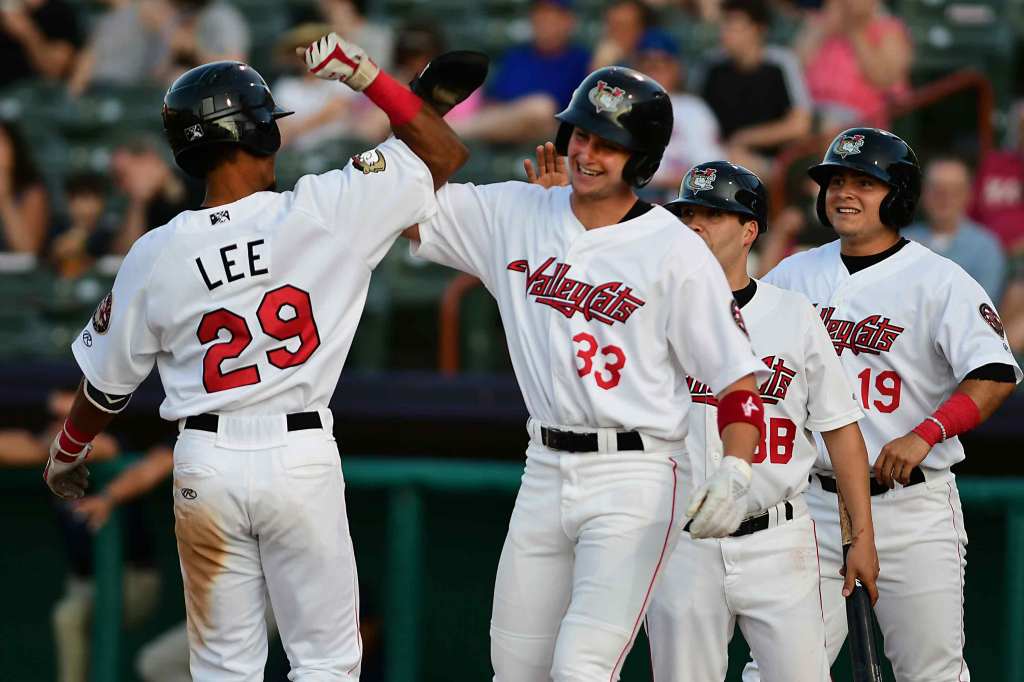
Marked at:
<point>84,172</point>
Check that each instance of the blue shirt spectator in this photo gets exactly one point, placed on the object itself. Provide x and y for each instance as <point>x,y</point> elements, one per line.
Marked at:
<point>948,232</point>
<point>533,82</point>
<point>525,70</point>
<point>970,246</point>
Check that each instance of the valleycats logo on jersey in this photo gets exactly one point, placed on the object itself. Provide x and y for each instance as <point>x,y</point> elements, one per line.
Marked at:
<point>874,334</point>
<point>772,391</point>
<point>609,303</point>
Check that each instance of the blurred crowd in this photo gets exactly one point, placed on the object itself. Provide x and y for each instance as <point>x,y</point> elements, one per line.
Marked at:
<point>769,74</point>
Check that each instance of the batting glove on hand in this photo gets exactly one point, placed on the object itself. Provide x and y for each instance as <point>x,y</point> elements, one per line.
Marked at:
<point>335,59</point>
<point>718,506</point>
<point>65,473</point>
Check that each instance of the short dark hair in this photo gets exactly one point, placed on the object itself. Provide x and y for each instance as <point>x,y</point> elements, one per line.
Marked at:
<point>757,11</point>
<point>86,182</point>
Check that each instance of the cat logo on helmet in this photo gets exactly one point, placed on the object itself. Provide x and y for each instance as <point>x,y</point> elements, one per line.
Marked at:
<point>849,144</point>
<point>607,98</point>
<point>702,179</point>
<point>194,132</point>
<point>369,162</point>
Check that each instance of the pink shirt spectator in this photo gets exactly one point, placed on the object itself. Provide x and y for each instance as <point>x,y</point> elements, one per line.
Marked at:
<point>467,109</point>
<point>999,197</point>
<point>837,84</point>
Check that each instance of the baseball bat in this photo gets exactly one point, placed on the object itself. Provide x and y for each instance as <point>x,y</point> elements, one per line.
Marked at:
<point>859,616</point>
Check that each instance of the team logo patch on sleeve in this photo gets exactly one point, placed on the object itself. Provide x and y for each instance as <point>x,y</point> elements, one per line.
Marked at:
<point>369,162</point>
<point>101,318</point>
<point>992,318</point>
<point>737,317</point>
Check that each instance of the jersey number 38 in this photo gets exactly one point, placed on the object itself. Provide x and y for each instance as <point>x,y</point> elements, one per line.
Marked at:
<point>271,313</point>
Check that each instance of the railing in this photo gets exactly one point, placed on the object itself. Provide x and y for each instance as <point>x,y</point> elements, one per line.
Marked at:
<point>406,480</point>
<point>451,304</point>
<point>967,79</point>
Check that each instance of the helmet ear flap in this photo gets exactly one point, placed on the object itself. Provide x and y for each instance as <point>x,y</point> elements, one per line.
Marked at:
<point>820,207</point>
<point>562,138</point>
<point>898,207</point>
<point>640,169</point>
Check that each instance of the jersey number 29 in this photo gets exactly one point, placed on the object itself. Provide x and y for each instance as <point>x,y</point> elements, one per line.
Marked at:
<point>299,325</point>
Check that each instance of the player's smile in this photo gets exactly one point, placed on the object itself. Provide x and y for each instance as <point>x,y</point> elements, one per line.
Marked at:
<point>593,160</point>
<point>853,200</point>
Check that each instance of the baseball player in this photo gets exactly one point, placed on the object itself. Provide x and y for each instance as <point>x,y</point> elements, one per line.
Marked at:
<point>607,305</point>
<point>925,351</point>
<point>248,306</point>
<point>765,576</point>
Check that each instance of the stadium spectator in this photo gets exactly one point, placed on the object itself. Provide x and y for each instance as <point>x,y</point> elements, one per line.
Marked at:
<point>72,614</point>
<point>155,192</point>
<point>323,110</point>
<point>756,90</point>
<point>76,244</point>
<point>124,47</point>
<point>998,201</point>
<point>24,201</point>
<point>533,82</point>
<point>695,139</point>
<point>348,19</point>
<point>949,232</point>
<point>204,31</point>
<point>625,23</point>
<point>857,60</point>
<point>37,38</point>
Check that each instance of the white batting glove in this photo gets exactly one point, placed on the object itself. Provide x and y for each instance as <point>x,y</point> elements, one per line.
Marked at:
<point>335,59</point>
<point>65,473</point>
<point>718,506</point>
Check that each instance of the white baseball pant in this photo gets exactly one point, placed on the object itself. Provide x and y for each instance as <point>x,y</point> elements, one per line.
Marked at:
<point>586,542</point>
<point>766,582</point>
<point>261,510</point>
<point>922,546</point>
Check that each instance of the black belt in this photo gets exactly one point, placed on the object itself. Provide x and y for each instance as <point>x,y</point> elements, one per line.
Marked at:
<point>754,523</point>
<point>570,441</point>
<point>298,421</point>
<point>828,483</point>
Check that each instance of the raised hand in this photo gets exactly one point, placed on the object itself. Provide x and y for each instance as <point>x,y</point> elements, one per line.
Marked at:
<point>334,58</point>
<point>551,169</point>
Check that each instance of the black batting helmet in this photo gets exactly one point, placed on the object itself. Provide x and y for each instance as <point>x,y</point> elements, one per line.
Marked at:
<point>220,103</point>
<point>627,108</point>
<point>881,155</point>
<point>725,186</point>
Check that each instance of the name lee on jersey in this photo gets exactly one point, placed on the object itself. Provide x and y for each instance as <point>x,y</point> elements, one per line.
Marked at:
<point>228,267</point>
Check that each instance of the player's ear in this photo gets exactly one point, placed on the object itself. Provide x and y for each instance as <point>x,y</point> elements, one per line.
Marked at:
<point>750,230</point>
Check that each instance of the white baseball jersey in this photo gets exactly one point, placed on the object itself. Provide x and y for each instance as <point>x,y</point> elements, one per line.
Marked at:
<point>908,330</point>
<point>251,307</point>
<point>596,320</point>
<point>806,391</point>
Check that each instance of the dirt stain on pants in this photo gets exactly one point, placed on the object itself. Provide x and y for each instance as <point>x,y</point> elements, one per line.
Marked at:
<point>202,550</point>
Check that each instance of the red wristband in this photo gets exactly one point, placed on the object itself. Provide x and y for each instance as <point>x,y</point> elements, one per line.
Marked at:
<point>741,406</point>
<point>394,99</point>
<point>957,415</point>
<point>73,439</point>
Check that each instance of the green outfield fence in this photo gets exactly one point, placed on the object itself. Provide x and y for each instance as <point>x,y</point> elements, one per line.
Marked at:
<point>406,482</point>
